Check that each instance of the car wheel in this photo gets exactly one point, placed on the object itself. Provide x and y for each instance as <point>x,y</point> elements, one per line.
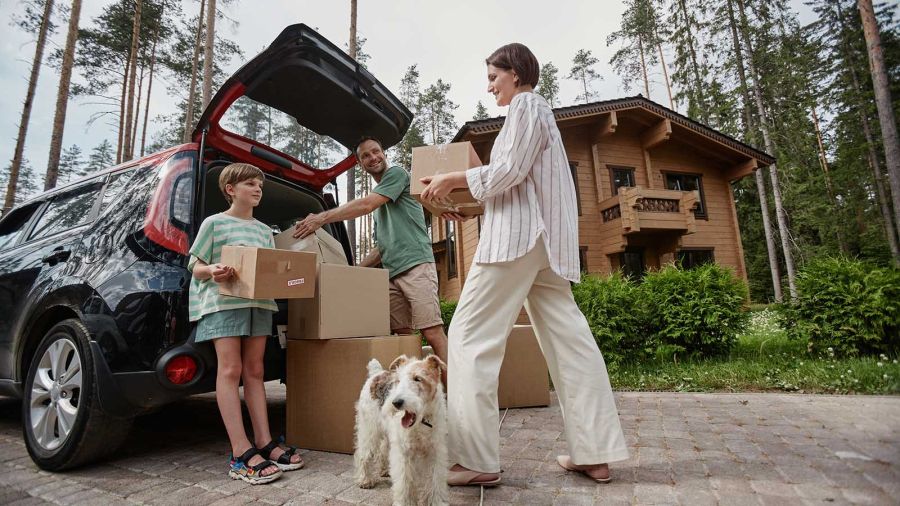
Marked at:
<point>61,416</point>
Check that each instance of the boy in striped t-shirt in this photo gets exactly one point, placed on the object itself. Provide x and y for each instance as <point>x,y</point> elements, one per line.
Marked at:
<point>238,327</point>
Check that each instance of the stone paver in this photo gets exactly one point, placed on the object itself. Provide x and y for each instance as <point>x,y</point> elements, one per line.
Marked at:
<point>692,449</point>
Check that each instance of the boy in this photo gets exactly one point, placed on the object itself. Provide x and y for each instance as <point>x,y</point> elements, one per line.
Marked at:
<point>238,327</point>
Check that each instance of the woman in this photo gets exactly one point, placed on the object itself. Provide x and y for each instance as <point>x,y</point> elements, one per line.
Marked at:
<point>528,253</point>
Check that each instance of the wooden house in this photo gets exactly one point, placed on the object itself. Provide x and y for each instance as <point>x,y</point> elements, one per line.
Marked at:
<point>654,187</point>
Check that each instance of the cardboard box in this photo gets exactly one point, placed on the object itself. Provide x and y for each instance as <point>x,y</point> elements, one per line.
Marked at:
<point>262,273</point>
<point>328,249</point>
<point>323,383</point>
<point>349,302</point>
<point>524,379</point>
<point>440,159</point>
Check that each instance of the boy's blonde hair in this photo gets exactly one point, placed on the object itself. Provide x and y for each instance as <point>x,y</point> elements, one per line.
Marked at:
<point>235,173</point>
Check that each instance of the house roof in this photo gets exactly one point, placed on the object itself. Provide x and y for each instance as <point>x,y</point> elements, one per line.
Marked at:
<point>490,125</point>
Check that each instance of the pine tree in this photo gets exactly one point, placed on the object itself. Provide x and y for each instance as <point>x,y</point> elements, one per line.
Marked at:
<point>410,94</point>
<point>481,111</point>
<point>101,157</point>
<point>62,96</point>
<point>548,84</point>
<point>71,164</point>
<point>436,111</point>
<point>27,185</point>
<point>638,34</point>
<point>583,72</point>
<point>30,21</point>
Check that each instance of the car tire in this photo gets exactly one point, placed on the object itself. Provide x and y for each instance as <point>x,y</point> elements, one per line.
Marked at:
<point>62,421</point>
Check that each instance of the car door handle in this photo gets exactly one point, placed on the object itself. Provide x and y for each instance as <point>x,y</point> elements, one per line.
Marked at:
<point>58,255</point>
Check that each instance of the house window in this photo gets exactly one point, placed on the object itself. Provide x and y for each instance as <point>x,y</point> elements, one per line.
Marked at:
<point>689,182</point>
<point>690,258</point>
<point>428,225</point>
<point>582,259</point>
<point>573,169</point>
<point>622,177</point>
<point>451,249</point>
<point>632,263</point>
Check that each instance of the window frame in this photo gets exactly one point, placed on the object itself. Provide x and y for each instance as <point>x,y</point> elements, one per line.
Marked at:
<point>573,170</point>
<point>28,225</point>
<point>698,215</point>
<point>452,267</point>
<point>711,250</point>
<point>612,177</point>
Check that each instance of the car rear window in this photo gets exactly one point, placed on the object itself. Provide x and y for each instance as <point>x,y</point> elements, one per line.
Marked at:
<point>13,226</point>
<point>273,128</point>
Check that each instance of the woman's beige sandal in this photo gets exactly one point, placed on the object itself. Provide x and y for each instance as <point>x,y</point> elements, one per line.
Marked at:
<point>565,462</point>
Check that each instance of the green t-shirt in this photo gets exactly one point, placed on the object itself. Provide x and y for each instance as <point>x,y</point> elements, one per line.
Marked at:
<point>216,231</point>
<point>400,225</point>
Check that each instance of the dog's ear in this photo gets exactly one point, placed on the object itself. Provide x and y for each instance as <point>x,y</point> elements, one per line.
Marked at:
<point>399,361</point>
<point>434,362</point>
<point>381,385</point>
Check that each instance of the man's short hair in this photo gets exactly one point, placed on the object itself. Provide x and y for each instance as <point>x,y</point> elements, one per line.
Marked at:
<point>368,138</point>
<point>235,173</point>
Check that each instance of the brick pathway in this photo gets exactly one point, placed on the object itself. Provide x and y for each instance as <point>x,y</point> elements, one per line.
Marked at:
<point>691,449</point>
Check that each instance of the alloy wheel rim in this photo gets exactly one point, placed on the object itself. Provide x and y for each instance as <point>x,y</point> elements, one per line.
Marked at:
<point>56,394</point>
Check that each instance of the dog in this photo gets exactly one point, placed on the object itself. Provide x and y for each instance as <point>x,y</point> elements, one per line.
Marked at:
<point>401,427</point>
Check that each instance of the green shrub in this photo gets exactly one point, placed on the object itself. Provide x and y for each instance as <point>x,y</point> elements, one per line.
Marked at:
<point>698,311</point>
<point>846,307</point>
<point>616,316</point>
<point>448,307</point>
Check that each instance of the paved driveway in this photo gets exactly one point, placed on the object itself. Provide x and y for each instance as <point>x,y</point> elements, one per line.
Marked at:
<point>691,449</point>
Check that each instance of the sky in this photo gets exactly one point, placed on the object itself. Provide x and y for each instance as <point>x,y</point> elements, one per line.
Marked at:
<point>447,40</point>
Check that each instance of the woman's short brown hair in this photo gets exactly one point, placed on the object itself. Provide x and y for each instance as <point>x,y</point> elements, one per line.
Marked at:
<point>518,58</point>
<point>234,173</point>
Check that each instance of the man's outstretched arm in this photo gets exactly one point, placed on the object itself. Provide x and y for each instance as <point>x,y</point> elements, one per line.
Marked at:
<point>348,211</point>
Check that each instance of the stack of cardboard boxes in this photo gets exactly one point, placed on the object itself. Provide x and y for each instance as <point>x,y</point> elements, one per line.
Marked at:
<point>330,339</point>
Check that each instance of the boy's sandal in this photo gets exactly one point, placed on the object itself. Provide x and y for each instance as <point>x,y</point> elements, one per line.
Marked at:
<point>565,462</point>
<point>241,470</point>
<point>284,460</point>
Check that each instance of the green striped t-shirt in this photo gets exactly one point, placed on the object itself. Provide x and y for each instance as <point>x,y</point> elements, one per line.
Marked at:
<point>216,231</point>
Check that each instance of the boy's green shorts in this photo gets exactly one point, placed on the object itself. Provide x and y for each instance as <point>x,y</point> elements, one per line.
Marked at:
<point>241,322</point>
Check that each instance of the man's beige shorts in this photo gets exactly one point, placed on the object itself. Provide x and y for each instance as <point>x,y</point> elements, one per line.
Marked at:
<point>414,299</point>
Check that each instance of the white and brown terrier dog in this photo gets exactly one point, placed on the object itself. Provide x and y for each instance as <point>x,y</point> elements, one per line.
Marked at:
<point>401,426</point>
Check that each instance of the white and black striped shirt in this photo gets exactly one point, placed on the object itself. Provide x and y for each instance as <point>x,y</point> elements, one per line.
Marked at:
<point>528,191</point>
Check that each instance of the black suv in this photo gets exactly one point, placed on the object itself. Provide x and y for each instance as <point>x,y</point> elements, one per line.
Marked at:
<point>93,277</point>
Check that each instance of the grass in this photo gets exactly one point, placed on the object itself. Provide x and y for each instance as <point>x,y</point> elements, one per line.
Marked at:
<point>764,360</point>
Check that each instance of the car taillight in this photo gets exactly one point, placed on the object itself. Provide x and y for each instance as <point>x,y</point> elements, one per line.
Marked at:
<point>160,226</point>
<point>181,369</point>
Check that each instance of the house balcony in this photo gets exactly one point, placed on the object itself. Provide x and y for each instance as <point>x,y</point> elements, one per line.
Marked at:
<point>637,214</point>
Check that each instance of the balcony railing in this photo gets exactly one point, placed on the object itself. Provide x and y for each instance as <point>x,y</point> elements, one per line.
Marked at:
<point>637,209</point>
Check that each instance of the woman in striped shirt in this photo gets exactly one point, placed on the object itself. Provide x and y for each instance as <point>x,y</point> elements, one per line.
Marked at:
<point>528,253</point>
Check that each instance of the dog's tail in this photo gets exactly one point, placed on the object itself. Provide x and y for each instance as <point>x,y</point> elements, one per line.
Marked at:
<point>374,367</point>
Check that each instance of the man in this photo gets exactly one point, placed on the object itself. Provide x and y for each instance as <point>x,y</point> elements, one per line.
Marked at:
<point>404,247</point>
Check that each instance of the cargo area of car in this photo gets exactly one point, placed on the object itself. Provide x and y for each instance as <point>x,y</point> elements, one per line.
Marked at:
<point>283,203</point>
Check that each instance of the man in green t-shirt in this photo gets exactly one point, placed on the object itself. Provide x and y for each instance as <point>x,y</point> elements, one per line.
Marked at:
<point>404,247</point>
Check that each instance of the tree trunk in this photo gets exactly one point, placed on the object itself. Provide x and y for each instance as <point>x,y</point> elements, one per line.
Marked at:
<point>129,107</point>
<point>823,161</point>
<point>644,67</point>
<point>883,102</point>
<point>192,93</point>
<point>773,169</point>
<point>874,163</point>
<point>137,110</point>
<point>351,174</point>
<point>698,87</point>
<point>62,97</point>
<point>662,61</point>
<point>760,178</point>
<point>149,86</point>
<point>208,54</point>
<point>122,110</point>
<point>26,107</point>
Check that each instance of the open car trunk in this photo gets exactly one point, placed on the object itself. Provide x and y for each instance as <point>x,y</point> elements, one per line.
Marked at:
<point>309,79</point>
